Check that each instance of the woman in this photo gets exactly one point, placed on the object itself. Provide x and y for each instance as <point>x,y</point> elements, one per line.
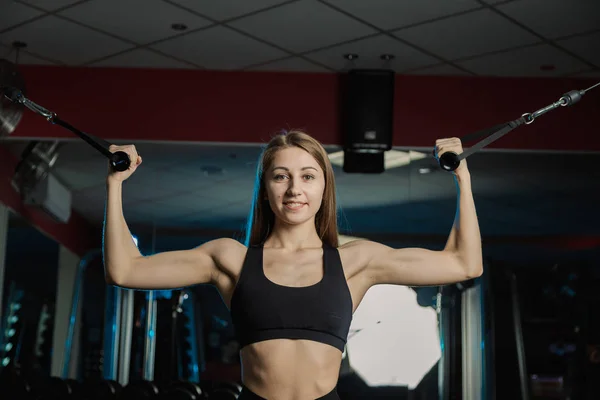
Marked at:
<point>291,289</point>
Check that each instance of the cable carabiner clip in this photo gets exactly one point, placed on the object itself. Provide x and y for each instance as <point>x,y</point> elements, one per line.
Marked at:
<point>567,99</point>
<point>449,161</point>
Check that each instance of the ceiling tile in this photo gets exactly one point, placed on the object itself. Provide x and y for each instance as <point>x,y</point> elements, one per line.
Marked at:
<point>286,26</point>
<point>189,207</point>
<point>236,157</point>
<point>525,62</point>
<point>441,69</point>
<point>369,52</point>
<point>61,40</point>
<point>93,215</point>
<point>555,18</point>
<point>141,58</point>
<point>219,48</point>
<point>392,14</point>
<point>161,214</point>
<point>50,5</point>
<point>508,185</point>
<point>223,208</point>
<point>80,176</point>
<point>14,13</point>
<point>141,21</point>
<point>180,203</point>
<point>25,58</point>
<point>467,35</point>
<point>226,9</point>
<point>586,46</point>
<point>228,193</point>
<point>295,64</point>
<point>142,186</point>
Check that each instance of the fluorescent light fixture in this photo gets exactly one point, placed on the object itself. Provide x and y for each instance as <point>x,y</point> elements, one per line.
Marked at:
<point>392,158</point>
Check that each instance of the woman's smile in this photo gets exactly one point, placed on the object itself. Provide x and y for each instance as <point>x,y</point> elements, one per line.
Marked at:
<point>293,205</point>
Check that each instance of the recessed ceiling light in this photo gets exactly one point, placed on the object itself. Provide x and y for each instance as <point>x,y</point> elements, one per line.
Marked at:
<point>19,45</point>
<point>179,27</point>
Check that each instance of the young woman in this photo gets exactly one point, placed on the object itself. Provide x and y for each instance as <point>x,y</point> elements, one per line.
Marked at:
<point>290,288</point>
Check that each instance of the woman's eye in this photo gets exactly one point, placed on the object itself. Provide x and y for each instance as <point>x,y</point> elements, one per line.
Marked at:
<point>306,177</point>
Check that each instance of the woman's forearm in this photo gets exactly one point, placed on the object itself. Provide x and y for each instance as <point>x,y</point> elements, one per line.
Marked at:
<point>465,237</point>
<point>118,245</point>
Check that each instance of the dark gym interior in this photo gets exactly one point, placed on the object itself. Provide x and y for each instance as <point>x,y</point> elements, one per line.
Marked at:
<point>200,86</point>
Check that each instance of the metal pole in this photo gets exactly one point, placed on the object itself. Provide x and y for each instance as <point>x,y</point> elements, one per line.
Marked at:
<point>112,328</point>
<point>472,337</point>
<point>150,337</point>
<point>189,309</point>
<point>516,311</point>
<point>126,331</point>
<point>89,256</point>
<point>487,328</point>
<point>443,377</point>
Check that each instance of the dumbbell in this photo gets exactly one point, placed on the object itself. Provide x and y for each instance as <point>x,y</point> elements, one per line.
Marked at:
<point>182,390</point>
<point>102,390</point>
<point>54,388</point>
<point>226,391</point>
<point>139,390</point>
<point>236,387</point>
<point>76,388</point>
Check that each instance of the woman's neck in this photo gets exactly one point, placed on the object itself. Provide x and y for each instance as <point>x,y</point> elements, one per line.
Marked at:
<point>294,237</point>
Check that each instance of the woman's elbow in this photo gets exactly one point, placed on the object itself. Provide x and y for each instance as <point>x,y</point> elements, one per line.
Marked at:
<point>114,279</point>
<point>110,280</point>
<point>475,272</point>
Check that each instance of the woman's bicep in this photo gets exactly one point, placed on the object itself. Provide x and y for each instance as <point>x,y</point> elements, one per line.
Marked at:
<point>174,269</point>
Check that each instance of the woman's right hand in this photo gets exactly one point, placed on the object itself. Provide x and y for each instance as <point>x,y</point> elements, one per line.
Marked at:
<point>134,157</point>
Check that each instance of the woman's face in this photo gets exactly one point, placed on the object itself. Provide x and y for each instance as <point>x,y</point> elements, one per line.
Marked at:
<point>294,186</point>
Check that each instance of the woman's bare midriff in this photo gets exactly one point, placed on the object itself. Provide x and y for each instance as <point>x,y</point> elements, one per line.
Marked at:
<point>290,369</point>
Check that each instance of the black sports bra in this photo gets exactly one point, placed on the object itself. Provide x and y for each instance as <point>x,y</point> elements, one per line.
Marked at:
<point>263,310</point>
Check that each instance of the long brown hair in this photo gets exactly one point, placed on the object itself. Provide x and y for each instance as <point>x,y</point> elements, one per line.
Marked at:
<point>262,219</point>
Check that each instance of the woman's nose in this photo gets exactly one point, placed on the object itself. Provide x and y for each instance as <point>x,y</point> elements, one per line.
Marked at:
<point>293,189</point>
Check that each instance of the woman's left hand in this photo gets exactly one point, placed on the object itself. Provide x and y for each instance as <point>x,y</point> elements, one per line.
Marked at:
<point>453,145</point>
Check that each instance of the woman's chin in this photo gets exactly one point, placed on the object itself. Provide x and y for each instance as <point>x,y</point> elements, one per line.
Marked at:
<point>296,218</point>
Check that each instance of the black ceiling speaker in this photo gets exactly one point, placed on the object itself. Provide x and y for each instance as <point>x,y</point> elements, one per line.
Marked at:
<point>367,115</point>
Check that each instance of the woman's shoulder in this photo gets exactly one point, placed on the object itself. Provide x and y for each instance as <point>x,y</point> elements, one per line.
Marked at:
<point>224,246</point>
<point>228,242</point>
<point>229,255</point>
<point>353,246</point>
<point>225,251</point>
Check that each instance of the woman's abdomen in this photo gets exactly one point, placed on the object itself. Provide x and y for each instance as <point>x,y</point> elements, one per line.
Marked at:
<point>285,368</point>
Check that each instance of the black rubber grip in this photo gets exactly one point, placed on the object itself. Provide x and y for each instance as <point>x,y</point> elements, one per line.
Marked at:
<point>120,161</point>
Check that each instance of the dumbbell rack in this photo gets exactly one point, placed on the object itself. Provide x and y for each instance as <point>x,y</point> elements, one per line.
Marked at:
<point>113,380</point>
